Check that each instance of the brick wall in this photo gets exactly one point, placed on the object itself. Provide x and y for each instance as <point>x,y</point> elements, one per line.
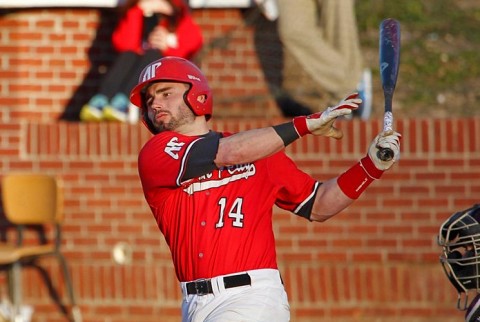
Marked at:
<point>377,261</point>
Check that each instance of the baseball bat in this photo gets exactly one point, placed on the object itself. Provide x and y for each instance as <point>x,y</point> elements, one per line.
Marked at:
<point>389,53</point>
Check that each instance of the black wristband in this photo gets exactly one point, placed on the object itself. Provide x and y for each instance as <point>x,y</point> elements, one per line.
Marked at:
<point>287,132</point>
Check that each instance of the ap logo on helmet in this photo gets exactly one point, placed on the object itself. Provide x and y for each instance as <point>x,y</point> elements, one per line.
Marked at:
<point>149,72</point>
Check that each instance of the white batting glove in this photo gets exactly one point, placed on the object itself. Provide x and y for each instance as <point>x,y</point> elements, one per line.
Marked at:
<point>322,123</point>
<point>390,139</point>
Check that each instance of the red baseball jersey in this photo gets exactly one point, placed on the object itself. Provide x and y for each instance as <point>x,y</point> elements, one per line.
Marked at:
<point>220,221</point>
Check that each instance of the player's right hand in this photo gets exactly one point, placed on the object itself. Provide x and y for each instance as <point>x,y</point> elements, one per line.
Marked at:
<point>322,123</point>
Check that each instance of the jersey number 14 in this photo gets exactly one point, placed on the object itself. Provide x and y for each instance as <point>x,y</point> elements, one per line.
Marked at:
<point>235,213</point>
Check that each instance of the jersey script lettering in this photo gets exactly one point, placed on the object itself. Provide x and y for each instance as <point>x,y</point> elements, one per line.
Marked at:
<point>221,177</point>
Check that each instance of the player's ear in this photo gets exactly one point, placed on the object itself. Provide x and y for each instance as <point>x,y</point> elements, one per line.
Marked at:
<point>202,98</point>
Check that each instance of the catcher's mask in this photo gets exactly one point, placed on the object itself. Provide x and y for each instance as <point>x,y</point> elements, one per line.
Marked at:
<point>174,69</point>
<point>459,237</point>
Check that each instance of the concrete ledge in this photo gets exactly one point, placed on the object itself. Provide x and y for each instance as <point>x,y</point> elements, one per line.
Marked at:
<point>114,3</point>
<point>57,3</point>
<point>220,3</point>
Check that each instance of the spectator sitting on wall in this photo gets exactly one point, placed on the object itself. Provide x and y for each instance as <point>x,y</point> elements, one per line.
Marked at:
<point>147,30</point>
<point>321,36</point>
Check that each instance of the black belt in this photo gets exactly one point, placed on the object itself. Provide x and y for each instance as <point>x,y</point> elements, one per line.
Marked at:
<point>204,286</point>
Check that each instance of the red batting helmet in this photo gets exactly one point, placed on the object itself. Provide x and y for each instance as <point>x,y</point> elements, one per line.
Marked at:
<point>175,69</point>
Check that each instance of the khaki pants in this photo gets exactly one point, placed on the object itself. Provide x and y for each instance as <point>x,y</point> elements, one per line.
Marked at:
<point>322,37</point>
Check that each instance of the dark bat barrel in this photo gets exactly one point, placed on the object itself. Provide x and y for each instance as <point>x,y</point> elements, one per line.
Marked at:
<point>389,53</point>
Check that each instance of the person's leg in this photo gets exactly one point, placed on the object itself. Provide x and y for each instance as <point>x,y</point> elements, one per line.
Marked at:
<point>258,304</point>
<point>264,300</point>
<point>134,72</point>
<point>322,37</point>
<point>118,108</point>
<point>118,73</point>
<point>111,83</point>
<point>341,31</point>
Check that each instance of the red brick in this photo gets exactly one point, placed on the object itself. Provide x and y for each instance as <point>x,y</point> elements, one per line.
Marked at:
<point>377,260</point>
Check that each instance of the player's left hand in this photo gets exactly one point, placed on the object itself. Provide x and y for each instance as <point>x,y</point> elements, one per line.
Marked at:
<point>390,139</point>
<point>322,123</point>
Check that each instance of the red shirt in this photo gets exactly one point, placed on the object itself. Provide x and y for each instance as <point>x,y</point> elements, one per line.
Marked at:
<point>127,35</point>
<point>221,222</point>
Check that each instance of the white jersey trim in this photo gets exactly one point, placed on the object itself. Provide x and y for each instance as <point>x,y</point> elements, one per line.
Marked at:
<point>308,198</point>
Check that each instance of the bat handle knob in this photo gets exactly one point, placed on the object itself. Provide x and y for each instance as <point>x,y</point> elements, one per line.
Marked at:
<point>385,154</point>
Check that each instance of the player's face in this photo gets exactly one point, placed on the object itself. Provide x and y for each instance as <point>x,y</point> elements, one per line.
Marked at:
<point>166,108</point>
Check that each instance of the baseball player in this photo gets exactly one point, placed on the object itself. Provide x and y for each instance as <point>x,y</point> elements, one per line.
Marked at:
<point>459,237</point>
<point>212,193</point>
